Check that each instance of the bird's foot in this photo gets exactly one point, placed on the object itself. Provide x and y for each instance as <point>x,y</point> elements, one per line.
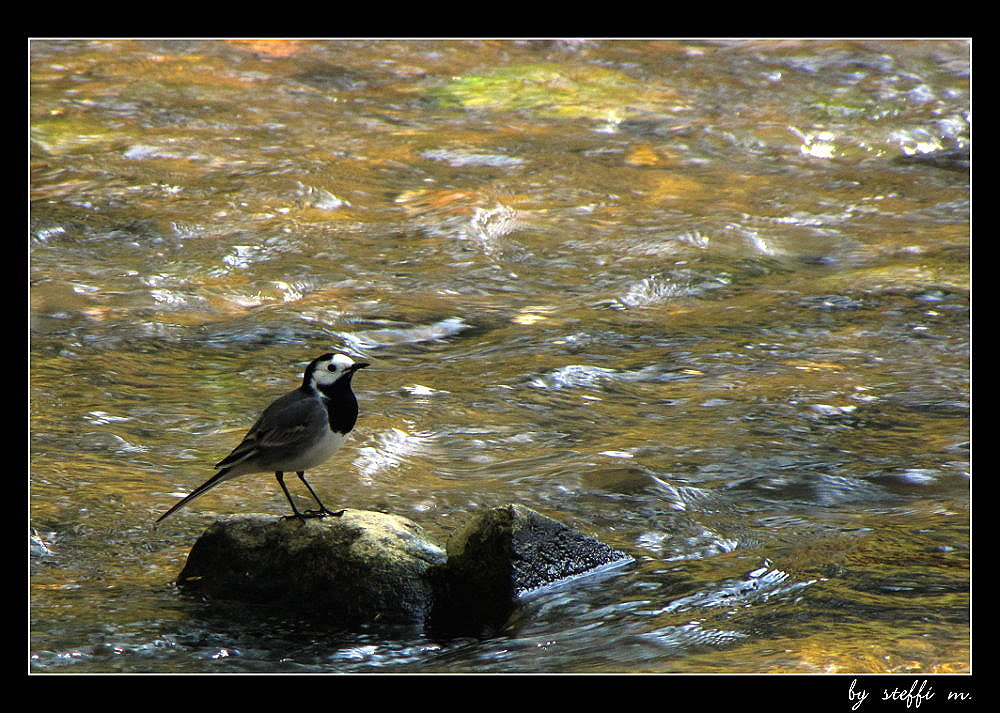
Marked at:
<point>323,513</point>
<point>308,514</point>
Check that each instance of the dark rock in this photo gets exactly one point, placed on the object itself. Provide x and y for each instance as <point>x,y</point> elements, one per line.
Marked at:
<point>331,78</point>
<point>362,567</point>
<point>502,553</point>
<point>948,159</point>
<point>370,568</point>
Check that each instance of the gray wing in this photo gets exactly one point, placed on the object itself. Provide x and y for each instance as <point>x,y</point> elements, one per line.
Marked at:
<point>286,427</point>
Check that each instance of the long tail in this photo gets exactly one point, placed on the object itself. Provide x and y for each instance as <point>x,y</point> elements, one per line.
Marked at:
<point>200,490</point>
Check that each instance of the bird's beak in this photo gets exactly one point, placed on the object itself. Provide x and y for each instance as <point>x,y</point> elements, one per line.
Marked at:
<point>359,365</point>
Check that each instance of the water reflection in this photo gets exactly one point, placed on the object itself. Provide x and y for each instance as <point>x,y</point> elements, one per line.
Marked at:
<point>680,295</point>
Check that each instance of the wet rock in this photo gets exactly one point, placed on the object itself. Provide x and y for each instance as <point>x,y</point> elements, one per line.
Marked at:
<point>362,567</point>
<point>948,159</point>
<point>373,568</point>
<point>504,552</point>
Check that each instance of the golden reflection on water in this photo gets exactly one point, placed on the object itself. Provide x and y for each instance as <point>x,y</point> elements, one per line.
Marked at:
<point>665,322</point>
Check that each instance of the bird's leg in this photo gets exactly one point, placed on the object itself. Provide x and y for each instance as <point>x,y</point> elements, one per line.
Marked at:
<point>281,481</point>
<point>323,510</point>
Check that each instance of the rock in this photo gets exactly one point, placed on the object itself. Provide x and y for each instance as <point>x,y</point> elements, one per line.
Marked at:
<point>362,567</point>
<point>948,159</point>
<point>502,553</point>
<point>370,568</point>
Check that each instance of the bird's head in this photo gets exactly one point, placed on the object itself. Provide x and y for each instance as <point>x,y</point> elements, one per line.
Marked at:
<point>329,369</point>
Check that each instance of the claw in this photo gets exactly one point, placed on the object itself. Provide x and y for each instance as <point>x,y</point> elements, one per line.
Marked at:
<point>322,513</point>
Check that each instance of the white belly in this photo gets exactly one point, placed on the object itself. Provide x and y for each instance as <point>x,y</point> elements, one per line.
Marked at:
<point>318,454</point>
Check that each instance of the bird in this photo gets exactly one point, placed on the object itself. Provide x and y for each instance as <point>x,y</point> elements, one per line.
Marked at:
<point>296,433</point>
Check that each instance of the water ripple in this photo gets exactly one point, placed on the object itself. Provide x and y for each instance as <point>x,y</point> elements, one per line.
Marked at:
<point>375,338</point>
<point>757,586</point>
<point>394,448</point>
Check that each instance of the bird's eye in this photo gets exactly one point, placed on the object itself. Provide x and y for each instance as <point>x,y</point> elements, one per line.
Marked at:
<point>331,368</point>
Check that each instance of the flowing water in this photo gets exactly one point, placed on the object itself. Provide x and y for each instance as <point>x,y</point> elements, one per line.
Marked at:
<point>705,301</point>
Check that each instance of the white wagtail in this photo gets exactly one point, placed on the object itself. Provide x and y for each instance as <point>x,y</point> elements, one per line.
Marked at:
<point>297,432</point>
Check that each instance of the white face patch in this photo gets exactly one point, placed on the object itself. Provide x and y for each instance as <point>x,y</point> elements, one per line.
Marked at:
<point>342,361</point>
<point>329,371</point>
